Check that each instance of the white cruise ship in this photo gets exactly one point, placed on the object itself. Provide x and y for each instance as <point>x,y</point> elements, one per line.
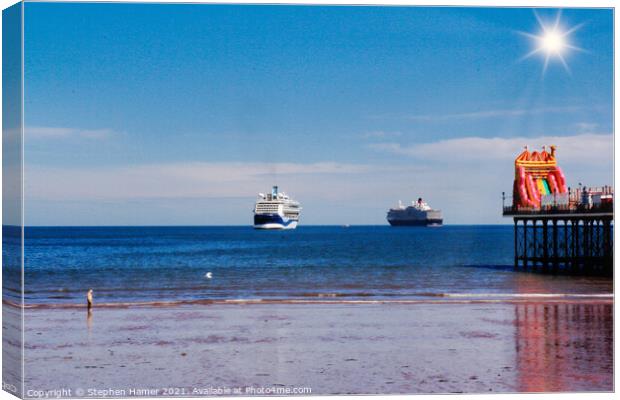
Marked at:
<point>276,211</point>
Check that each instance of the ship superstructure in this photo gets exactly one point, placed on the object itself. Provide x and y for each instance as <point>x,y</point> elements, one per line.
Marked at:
<point>417,214</point>
<point>276,210</point>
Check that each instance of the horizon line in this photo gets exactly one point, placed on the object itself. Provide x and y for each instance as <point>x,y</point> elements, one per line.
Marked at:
<point>235,226</point>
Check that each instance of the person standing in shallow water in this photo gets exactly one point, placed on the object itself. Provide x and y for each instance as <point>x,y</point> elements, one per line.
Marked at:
<point>89,299</point>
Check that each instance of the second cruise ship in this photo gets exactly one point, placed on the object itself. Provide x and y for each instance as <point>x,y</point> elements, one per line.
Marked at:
<point>276,211</point>
<point>417,214</point>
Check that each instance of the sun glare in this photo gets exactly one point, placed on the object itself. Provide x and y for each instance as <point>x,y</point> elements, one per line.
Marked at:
<point>552,42</point>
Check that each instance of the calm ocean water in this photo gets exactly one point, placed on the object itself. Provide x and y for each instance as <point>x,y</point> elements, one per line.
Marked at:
<point>131,264</point>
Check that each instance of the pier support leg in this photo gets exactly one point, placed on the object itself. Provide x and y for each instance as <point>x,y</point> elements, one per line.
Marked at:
<point>516,245</point>
<point>574,246</point>
<point>566,252</point>
<point>525,244</point>
<point>545,244</point>
<point>534,243</point>
<point>587,243</point>
<point>555,246</point>
<point>608,264</point>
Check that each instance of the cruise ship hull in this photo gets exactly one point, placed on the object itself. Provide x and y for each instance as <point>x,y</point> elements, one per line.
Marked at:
<point>273,221</point>
<point>413,216</point>
<point>426,222</point>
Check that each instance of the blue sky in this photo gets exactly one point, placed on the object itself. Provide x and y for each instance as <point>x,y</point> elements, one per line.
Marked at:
<point>180,114</point>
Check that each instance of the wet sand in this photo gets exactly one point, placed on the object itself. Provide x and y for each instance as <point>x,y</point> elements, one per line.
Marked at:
<point>436,347</point>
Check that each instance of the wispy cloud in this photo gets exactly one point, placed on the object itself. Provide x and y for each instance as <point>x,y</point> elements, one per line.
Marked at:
<point>381,135</point>
<point>46,132</point>
<point>177,180</point>
<point>580,148</point>
<point>484,114</point>
<point>499,113</point>
<point>587,127</point>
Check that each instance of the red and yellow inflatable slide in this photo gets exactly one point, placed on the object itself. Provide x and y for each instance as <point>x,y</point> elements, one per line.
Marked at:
<point>536,175</point>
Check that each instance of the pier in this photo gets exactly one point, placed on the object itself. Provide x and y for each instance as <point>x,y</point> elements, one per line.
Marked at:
<point>558,229</point>
<point>576,239</point>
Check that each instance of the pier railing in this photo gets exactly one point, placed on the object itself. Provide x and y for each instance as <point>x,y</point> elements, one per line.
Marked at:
<point>560,209</point>
<point>575,201</point>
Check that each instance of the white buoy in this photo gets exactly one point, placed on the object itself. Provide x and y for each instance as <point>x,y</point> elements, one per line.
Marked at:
<point>209,275</point>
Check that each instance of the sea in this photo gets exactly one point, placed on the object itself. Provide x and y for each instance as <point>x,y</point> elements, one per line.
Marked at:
<point>311,263</point>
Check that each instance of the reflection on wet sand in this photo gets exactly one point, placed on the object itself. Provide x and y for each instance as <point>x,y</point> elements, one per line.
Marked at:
<point>89,320</point>
<point>564,347</point>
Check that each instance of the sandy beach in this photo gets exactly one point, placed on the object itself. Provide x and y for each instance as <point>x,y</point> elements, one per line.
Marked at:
<point>331,348</point>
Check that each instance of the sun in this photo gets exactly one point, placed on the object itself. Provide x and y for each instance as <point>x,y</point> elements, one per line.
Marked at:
<point>552,42</point>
